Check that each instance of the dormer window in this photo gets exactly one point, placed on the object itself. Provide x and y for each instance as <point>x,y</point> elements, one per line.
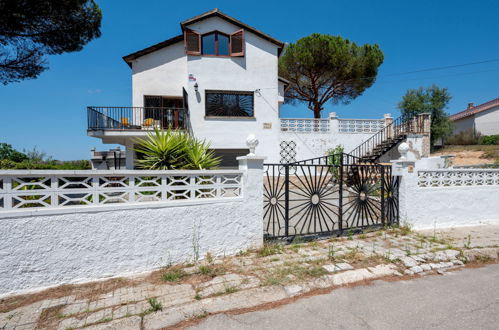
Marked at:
<point>214,43</point>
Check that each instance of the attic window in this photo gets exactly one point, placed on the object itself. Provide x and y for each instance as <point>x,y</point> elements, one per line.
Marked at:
<point>214,43</point>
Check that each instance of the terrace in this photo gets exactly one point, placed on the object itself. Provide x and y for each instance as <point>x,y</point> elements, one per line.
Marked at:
<point>136,118</point>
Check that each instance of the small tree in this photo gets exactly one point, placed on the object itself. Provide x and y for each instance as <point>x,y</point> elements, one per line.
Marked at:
<point>32,29</point>
<point>9,153</point>
<point>429,100</point>
<point>324,67</point>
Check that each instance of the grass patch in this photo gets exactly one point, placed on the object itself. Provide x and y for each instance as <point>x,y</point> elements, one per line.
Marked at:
<point>155,304</point>
<point>104,320</point>
<point>201,315</point>
<point>211,270</point>
<point>282,276</point>
<point>173,275</point>
<point>269,249</point>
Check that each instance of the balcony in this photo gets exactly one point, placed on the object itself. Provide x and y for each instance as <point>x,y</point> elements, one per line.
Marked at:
<point>136,118</point>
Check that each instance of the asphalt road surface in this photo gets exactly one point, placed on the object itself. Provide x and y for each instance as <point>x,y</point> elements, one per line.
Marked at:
<point>465,299</point>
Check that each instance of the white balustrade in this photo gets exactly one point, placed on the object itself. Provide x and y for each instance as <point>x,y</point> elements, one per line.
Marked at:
<point>310,125</point>
<point>360,125</point>
<point>305,125</point>
<point>59,189</point>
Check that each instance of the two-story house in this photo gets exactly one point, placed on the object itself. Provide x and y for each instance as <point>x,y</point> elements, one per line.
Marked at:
<point>218,79</point>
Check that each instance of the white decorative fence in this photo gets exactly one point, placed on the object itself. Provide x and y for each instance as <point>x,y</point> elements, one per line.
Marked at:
<point>65,226</point>
<point>448,197</point>
<point>360,125</point>
<point>305,125</point>
<point>458,178</point>
<point>54,189</point>
<point>331,125</point>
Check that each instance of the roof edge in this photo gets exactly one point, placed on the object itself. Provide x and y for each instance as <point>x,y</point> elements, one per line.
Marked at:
<point>217,13</point>
<point>130,57</point>
<point>476,109</point>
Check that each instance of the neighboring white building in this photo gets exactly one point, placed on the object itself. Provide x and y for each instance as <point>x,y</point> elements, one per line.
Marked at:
<point>219,80</point>
<point>483,118</point>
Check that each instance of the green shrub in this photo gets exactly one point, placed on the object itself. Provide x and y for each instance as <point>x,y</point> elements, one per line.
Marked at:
<point>334,158</point>
<point>466,137</point>
<point>7,164</point>
<point>174,150</point>
<point>490,140</point>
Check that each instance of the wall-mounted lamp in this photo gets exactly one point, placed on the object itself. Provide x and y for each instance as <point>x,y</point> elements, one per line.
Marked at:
<point>196,87</point>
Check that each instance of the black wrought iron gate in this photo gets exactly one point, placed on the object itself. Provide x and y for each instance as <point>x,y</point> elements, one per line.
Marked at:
<point>328,195</point>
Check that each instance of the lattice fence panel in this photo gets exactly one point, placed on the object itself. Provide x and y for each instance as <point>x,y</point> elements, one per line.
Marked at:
<point>34,191</point>
<point>458,178</point>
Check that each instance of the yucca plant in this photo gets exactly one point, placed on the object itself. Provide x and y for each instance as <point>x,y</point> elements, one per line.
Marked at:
<point>174,150</point>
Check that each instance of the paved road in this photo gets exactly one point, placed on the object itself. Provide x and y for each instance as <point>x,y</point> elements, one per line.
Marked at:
<point>467,299</point>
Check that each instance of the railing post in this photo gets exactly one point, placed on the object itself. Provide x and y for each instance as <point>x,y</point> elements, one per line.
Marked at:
<point>383,195</point>
<point>286,199</point>
<point>340,196</point>
<point>388,125</point>
<point>7,198</point>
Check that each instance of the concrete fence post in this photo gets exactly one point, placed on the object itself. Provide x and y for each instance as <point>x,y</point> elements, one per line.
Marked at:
<point>334,124</point>
<point>404,170</point>
<point>252,186</point>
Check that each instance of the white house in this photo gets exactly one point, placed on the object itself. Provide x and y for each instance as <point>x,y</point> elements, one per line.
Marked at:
<point>219,80</point>
<point>483,118</point>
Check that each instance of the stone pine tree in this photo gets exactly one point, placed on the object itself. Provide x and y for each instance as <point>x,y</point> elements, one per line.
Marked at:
<point>322,68</point>
<point>432,100</point>
<point>32,29</point>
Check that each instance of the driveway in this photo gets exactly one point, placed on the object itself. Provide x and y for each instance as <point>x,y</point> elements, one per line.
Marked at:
<point>466,299</point>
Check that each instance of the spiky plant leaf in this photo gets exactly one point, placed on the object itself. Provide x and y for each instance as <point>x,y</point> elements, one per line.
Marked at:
<point>174,150</point>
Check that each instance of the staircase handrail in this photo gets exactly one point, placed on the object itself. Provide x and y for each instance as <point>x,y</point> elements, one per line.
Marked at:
<point>399,127</point>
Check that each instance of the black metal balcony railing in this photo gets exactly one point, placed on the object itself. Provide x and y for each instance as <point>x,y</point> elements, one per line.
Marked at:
<point>136,118</point>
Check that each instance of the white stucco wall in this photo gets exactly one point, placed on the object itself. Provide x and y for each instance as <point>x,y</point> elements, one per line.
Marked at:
<point>311,145</point>
<point>464,124</point>
<point>45,250</point>
<point>163,72</point>
<point>255,72</point>
<point>487,122</point>
<point>447,206</point>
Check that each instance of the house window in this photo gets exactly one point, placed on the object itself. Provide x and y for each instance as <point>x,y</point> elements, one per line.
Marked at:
<point>215,43</point>
<point>229,104</point>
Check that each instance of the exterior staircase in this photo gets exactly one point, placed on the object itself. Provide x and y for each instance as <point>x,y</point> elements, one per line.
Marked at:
<point>371,150</point>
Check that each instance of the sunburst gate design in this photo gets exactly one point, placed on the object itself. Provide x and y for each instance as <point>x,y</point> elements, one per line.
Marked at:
<point>313,200</point>
<point>274,207</point>
<point>229,104</point>
<point>304,198</point>
<point>362,205</point>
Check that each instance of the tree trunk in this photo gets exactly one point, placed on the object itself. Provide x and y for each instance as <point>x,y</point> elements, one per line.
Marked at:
<point>317,111</point>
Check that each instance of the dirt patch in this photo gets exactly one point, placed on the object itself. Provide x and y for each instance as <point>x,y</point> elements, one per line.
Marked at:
<point>80,291</point>
<point>471,155</point>
<point>49,318</point>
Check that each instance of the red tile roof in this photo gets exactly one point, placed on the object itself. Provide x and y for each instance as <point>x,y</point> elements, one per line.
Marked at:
<point>473,110</point>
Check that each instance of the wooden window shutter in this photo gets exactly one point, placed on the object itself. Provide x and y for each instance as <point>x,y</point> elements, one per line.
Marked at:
<point>192,41</point>
<point>237,43</point>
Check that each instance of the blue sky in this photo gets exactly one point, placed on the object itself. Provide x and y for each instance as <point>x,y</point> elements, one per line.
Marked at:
<point>50,112</point>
